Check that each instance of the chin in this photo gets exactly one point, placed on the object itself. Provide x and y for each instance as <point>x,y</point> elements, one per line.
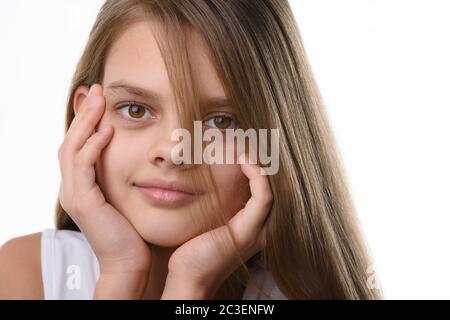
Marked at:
<point>165,240</point>
<point>164,234</point>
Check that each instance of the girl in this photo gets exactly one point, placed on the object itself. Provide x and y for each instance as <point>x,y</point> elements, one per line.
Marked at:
<point>133,224</point>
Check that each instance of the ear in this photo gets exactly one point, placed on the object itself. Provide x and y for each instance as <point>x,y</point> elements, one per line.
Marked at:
<point>79,96</point>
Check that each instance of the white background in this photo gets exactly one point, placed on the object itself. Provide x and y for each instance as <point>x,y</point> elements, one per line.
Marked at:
<point>383,71</point>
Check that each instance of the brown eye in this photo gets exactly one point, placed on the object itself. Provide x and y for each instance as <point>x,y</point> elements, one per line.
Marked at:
<point>221,122</point>
<point>134,111</point>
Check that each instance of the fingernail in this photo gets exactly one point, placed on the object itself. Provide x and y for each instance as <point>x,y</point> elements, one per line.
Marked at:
<point>95,102</point>
<point>103,130</point>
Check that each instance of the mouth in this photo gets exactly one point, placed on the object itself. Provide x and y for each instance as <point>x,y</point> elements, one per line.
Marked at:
<point>166,193</point>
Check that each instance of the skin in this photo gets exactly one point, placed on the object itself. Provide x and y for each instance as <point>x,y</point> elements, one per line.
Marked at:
<point>148,146</point>
<point>135,58</point>
<point>149,251</point>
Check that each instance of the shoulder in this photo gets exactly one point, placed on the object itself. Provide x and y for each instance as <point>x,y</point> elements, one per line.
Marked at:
<point>20,268</point>
<point>53,264</point>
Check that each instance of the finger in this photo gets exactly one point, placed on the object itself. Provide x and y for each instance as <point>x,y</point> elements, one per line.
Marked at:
<point>76,136</point>
<point>81,109</point>
<point>66,184</point>
<point>260,202</point>
<point>85,121</point>
<point>247,224</point>
<point>84,172</point>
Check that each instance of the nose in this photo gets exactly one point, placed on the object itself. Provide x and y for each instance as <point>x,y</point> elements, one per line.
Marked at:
<point>160,151</point>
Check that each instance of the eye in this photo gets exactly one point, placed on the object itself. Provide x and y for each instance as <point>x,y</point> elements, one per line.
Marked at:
<point>135,111</point>
<point>221,122</point>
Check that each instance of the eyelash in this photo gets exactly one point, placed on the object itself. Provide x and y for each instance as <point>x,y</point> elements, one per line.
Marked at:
<point>133,103</point>
<point>222,115</point>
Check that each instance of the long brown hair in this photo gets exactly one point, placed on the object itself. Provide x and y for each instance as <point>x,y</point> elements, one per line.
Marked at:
<point>315,248</point>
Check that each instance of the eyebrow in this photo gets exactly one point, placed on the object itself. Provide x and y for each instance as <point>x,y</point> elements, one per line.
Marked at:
<point>213,102</point>
<point>216,102</point>
<point>134,90</point>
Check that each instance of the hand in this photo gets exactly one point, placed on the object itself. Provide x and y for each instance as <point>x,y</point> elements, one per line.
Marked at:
<point>198,267</point>
<point>123,256</point>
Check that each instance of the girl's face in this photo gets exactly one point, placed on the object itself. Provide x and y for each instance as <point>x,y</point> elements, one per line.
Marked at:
<point>140,149</point>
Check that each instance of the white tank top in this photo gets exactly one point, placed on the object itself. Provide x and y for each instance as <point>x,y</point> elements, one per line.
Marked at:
<point>70,269</point>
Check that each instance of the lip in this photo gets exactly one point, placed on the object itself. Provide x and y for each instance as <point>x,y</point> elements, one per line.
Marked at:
<point>166,193</point>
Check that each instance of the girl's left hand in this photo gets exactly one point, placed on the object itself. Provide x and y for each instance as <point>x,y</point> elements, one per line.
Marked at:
<point>198,267</point>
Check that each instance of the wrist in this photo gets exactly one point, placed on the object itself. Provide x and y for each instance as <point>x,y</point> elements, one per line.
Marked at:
<point>121,286</point>
<point>177,289</point>
<point>124,266</point>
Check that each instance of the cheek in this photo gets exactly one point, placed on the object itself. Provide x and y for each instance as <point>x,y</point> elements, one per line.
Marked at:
<point>112,168</point>
<point>234,190</point>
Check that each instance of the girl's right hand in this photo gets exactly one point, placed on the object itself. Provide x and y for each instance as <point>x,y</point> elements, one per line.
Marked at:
<point>124,257</point>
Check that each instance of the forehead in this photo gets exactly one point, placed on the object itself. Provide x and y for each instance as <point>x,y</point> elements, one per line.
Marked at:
<point>135,58</point>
